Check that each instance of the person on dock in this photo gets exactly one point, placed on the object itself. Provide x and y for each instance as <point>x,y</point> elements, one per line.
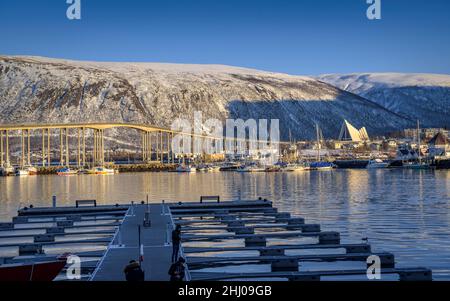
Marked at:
<point>176,241</point>
<point>177,270</point>
<point>133,272</point>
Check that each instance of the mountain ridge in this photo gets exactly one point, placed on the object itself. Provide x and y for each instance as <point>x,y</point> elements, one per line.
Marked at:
<point>417,96</point>
<point>43,90</point>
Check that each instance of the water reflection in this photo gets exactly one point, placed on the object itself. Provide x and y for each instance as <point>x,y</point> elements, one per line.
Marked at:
<point>401,211</point>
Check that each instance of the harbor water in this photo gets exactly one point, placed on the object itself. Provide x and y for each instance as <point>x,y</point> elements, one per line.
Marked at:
<point>405,212</point>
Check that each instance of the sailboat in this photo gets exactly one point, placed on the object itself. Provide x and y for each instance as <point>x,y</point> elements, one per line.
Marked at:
<point>100,170</point>
<point>419,164</point>
<point>6,170</point>
<point>66,171</point>
<point>26,170</point>
<point>320,165</point>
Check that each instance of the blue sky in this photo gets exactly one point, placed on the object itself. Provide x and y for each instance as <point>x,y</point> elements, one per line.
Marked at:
<point>296,36</point>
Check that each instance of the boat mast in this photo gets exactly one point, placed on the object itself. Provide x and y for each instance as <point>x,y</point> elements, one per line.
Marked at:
<point>318,142</point>
<point>418,141</point>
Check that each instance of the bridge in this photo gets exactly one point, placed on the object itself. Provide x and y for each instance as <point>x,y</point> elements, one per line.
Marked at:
<point>156,142</point>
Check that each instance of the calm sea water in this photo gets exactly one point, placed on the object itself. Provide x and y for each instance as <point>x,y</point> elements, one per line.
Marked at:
<point>405,212</point>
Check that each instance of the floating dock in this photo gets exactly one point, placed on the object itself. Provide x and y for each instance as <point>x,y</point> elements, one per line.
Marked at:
<point>117,234</point>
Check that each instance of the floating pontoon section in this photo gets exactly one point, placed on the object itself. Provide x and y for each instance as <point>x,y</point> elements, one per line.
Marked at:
<point>216,236</point>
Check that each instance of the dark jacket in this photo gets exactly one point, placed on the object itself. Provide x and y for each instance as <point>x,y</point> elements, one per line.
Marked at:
<point>177,271</point>
<point>176,237</point>
<point>133,272</point>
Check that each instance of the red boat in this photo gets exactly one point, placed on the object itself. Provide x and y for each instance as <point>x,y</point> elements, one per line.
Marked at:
<point>39,271</point>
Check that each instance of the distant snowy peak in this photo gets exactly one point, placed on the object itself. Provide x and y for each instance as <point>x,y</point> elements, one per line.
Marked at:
<point>425,97</point>
<point>365,81</point>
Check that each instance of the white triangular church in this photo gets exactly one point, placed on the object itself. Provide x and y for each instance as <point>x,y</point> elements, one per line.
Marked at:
<point>350,133</point>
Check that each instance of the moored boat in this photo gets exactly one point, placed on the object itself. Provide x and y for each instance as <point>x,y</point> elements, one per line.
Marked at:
<point>103,171</point>
<point>213,168</point>
<point>250,168</point>
<point>230,166</point>
<point>377,163</point>
<point>66,172</point>
<point>321,165</point>
<point>6,170</point>
<point>273,168</point>
<point>295,167</point>
<point>185,168</point>
<point>352,164</point>
<point>39,271</point>
<point>416,165</point>
<point>26,171</point>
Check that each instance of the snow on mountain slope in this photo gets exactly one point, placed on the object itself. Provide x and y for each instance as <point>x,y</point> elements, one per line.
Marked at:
<point>425,97</point>
<point>34,89</point>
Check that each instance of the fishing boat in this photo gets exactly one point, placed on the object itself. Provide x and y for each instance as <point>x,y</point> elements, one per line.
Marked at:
<point>26,171</point>
<point>103,171</point>
<point>377,163</point>
<point>66,172</point>
<point>39,271</point>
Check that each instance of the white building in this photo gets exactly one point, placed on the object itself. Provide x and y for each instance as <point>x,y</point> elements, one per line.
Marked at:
<point>352,134</point>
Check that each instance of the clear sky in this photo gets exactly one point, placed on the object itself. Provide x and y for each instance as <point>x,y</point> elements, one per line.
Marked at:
<point>296,36</point>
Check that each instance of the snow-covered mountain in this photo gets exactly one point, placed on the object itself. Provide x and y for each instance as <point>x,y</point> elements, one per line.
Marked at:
<point>424,97</point>
<point>35,89</point>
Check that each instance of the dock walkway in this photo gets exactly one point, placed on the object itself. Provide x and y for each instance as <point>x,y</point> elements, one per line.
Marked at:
<point>125,246</point>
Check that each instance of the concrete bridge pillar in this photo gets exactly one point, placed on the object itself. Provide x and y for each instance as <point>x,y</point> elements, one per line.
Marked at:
<point>43,147</point>
<point>49,159</point>
<point>67,147</point>
<point>7,148</point>
<point>1,149</point>
<point>84,145</point>
<point>99,147</point>
<point>161,147</point>
<point>79,148</point>
<point>22,140</point>
<point>28,148</point>
<point>61,151</point>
